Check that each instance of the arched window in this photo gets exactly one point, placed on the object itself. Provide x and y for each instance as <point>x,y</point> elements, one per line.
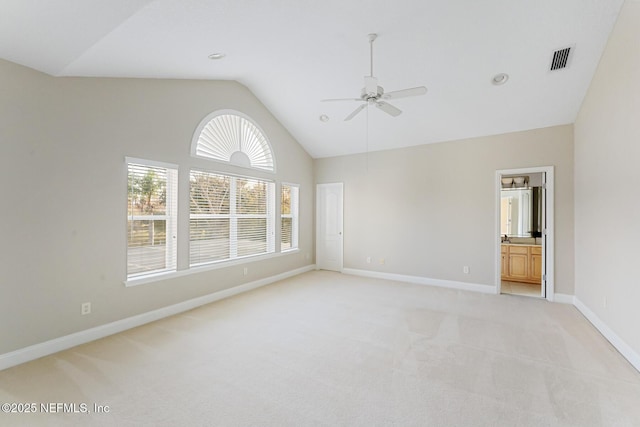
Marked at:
<point>229,136</point>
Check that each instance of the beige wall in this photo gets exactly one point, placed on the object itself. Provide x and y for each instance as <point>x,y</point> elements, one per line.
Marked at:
<point>63,184</point>
<point>430,210</point>
<point>607,152</point>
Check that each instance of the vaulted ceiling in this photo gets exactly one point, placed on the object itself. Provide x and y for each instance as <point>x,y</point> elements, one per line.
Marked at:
<point>293,53</point>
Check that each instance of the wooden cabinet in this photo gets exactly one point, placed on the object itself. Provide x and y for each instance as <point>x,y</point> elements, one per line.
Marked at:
<point>536,263</point>
<point>504,262</point>
<point>518,263</point>
<point>521,263</point>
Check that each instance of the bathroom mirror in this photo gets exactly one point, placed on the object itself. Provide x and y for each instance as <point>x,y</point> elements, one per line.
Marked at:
<point>516,212</point>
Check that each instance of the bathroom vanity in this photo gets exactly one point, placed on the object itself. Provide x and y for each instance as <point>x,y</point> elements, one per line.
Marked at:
<point>521,263</point>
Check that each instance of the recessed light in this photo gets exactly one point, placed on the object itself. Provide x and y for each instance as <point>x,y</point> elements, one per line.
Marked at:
<point>218,55</point>
<point>500,79</point>
<point>324,118</point>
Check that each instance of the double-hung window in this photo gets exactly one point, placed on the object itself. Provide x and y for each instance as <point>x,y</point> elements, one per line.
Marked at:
<point>289,217</point>
<point>230,217</point>
<point>151,217</point>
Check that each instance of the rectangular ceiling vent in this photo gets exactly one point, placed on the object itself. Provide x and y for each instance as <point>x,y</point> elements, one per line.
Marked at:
<point>560,59</point>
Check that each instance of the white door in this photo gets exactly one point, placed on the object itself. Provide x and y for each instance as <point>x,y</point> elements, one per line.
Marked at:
<point>543,288</point>
<point>329,218</point>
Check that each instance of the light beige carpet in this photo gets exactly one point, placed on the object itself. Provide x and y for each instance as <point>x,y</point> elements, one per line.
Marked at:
<point>325,349</point>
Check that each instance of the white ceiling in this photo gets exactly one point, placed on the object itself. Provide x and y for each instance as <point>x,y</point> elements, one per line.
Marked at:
<point>293,53</point>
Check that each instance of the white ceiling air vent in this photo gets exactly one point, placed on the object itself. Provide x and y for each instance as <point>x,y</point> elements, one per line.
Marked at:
<point>560,58</point>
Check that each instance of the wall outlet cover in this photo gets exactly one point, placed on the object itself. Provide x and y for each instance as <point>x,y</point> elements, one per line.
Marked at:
<point>85,308</point>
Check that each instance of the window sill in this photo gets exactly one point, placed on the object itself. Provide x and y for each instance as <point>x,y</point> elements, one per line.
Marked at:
<point>290,251</point>
<point>158,277</point>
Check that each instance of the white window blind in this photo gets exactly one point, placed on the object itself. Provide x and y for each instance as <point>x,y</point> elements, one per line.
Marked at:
<point>230,217</point>
<point>289,217</point>
<point>151,219</point>
<point>232,138</point>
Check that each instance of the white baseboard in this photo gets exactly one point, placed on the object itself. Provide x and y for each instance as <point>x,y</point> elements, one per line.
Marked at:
<point>612,337</point>
<point>46,348</point>
<point>418,280</point>
<point>559,298</point>
<point>564,299</point>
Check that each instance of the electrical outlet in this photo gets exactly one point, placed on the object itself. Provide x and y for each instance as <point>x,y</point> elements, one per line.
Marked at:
<point>245,271</point>
<point>465,269</point>
<point>85,308</point>
<point>381,261</point>
<point>368,260</point>
<point>308,256</point>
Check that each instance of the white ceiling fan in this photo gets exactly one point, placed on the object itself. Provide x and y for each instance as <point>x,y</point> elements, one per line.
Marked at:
<point>374,94</point>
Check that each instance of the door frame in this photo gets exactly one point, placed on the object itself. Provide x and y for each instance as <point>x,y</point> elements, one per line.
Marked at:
<point>548,265</point>
<point>319,204</point>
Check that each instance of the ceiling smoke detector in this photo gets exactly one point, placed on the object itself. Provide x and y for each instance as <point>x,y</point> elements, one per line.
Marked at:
<point>218,55</point>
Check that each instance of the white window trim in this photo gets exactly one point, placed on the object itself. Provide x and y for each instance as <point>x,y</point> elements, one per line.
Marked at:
<point>147,162</point>
<point>201,268</point>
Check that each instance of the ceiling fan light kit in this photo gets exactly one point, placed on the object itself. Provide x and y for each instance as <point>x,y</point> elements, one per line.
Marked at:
<point>373,94</point>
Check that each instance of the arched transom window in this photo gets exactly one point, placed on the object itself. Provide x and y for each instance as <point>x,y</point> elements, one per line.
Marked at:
<point>228,136</point>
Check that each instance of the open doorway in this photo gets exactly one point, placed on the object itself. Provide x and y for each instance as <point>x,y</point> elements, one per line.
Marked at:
<point>524,232</point>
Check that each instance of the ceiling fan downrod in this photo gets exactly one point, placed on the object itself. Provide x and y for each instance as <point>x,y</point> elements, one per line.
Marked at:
<point>372,38</point>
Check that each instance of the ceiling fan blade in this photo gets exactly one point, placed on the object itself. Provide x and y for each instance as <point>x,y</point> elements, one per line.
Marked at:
<point>340,99</point>
<point>414,91</point>
<point>356,111</point>
<point>388,108</point>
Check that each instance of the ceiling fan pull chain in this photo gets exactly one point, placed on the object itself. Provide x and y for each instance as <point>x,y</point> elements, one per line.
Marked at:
<point>366,148</point>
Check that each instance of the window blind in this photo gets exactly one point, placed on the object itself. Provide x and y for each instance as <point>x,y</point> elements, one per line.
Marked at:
<point>230,217</point>
<point>151,219</point>
<point>224,136</point>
